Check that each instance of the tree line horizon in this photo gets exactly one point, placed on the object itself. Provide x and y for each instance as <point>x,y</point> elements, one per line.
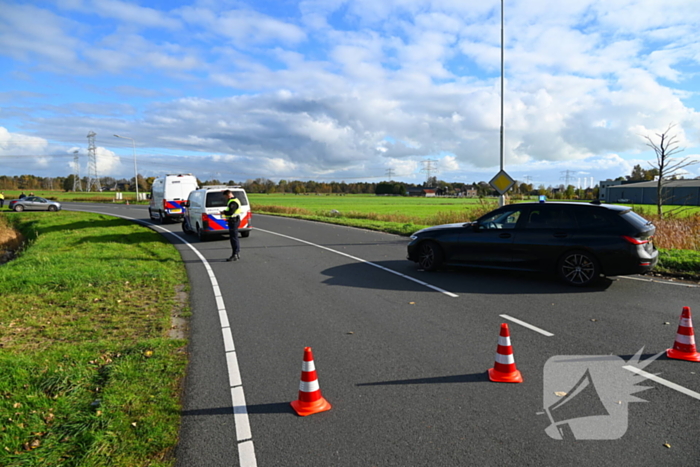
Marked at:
<point>389,187</point>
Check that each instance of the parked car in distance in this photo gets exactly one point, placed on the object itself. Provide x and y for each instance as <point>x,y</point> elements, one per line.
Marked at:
<point>33,203</point>
<point>578,241</point>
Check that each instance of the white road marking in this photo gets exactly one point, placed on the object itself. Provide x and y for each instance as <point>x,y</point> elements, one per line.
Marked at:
<point>527,325</point>
<point>246,450</point>
<point>360,260</point>
<point>642,279</point>
<point>666,383</point>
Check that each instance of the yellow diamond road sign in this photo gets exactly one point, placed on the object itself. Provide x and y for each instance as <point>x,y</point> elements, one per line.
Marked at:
<point>502,182</point>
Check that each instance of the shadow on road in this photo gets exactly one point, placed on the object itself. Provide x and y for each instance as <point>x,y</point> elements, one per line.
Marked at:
<point>460,281</point>
<point>470,378</point>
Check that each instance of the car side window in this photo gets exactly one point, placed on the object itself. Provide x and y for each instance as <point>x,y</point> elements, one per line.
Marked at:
<point>593,219</point>
<point>551,217</point>
<point>506,219</point>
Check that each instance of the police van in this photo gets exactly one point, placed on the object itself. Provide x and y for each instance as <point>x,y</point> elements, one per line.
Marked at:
<point>203,212</point>
<point>168,193</point>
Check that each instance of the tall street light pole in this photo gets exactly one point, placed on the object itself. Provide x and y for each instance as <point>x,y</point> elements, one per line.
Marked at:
<point>136,174</point>
<point>502,198</point>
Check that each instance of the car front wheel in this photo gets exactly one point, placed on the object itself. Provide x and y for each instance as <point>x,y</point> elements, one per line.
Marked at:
<point>52,208</point>
<point>430,256</point>
<point>578,268</point>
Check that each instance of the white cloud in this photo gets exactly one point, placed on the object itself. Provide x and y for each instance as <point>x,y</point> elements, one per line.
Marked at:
<point>337,88</point>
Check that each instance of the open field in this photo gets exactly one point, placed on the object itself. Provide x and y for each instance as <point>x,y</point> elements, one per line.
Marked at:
<point>90,372</point>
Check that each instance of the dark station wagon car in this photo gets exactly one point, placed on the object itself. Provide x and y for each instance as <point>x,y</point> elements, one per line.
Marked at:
<point>578,241</point>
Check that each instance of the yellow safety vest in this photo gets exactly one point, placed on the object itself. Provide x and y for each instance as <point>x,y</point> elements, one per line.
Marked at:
<point>235,212</point>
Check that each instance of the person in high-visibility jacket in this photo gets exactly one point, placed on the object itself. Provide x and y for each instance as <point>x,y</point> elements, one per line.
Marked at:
<point>232,214</point>
<point>2,199</point>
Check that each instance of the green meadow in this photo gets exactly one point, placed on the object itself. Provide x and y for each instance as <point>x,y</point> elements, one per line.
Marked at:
<point>91,371</point>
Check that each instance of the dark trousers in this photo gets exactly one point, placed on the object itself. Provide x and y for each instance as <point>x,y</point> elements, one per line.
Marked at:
<point>233,234</point>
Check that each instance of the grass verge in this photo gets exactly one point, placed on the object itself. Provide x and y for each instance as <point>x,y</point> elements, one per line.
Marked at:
<point>90,376</point>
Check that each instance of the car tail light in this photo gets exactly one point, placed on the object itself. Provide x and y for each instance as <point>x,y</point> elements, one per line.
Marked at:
<point>205,222</point>
<point>635,241</point>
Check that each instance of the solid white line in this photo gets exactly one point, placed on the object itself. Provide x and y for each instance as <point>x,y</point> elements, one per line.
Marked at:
<point>528,325</point>
<point>360,260</point>
<point>246,450</point>
<point>666,383</point>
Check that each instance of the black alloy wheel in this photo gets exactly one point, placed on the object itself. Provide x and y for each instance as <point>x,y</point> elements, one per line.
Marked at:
<point>578,268</point>
<point>430,256</point>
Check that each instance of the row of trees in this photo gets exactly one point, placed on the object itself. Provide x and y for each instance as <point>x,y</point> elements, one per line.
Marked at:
<point>33,183</point>
<point>264,185</point>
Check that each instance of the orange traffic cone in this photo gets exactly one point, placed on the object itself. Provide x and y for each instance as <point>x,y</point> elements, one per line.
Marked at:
<point>504,370</point>
<point>684,346</point>
<point>310,399</point>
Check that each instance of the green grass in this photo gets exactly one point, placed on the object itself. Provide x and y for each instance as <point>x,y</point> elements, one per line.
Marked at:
<point>90,376</point>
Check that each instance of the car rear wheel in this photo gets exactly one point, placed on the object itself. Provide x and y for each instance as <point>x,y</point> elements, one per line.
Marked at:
<point>578,268</point>
<point>52,208</point>
<point>200,233</point>
<point>245,234</point>
<point>19,208</point>
<point>430,256</point>
<point>162,219</point>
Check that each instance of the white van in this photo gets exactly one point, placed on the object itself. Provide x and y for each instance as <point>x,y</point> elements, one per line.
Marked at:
<point>167,195</point>
<point>203,212</point>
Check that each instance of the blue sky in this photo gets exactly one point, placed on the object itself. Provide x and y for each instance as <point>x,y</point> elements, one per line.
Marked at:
<point>347,90</point>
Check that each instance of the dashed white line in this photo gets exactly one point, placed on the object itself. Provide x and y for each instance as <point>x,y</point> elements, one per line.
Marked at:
<point>666,383</point>
<point>360,260</point>
<point>527,325</point>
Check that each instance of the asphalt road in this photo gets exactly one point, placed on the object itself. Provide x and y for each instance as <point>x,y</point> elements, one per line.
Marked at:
<point>404,363</point>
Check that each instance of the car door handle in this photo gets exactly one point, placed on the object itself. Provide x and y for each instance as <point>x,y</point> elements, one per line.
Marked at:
<point>561,235</point>
<point>505,235</point>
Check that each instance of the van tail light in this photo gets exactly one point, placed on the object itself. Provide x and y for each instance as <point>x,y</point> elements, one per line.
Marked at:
<point>635,241</point>
<point>205,222</point>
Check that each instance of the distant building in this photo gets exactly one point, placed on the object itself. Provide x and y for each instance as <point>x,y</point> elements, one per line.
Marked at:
<point>425,192</point>
<point>678,192</point>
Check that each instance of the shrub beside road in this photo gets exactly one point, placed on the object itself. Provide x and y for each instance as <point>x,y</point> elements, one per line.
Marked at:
<point>90,373</point>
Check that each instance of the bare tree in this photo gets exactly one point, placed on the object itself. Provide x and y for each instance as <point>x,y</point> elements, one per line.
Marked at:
<point>666,165</point>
